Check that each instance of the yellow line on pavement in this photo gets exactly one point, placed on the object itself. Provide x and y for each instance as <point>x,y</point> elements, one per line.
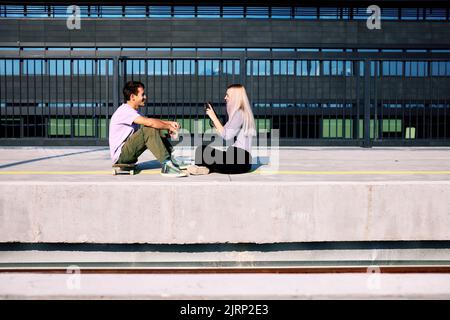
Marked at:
<point>262,172</point>
<point>367,172</point>
<point>69,172</point>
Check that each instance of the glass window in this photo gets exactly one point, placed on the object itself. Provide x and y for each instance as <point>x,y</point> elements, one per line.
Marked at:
<point>435,14</point>
<point>422,69</point>
<point>231,67</point>
<point>345,13</point>
<point>9,67</point>
<point>160,11</point>
<point>135,67</point>
<point>32,67</point>
<point>409,13</point>
<point>135,11</point>
<point>158,49</point>
<point>416,69</point>
<point>257,12</point>
<point>308,68</point>
<point>281,12</point>
<point>283,49</point>
<point>83,49</point>
<point>389,13</point>
<point>308,49</point>
<point>58,12</point>
<point>332,50</point>
<point>208,67</point>
<point>348,68</point>
<point>94,11</point>
<point>326,67</point>
<point>233,12</point>
<point>134,49</point>
<point>62,67</point>
<point>184,67</point>
<point>209,49</point>
<point>334,68</point>
<point>440,68</point>
<point>111,11</point>
<point>109,49</point>
<point>158,67</point>
<point>283,67</point>
<point>360,14</point>
<point>37,11</point>
<point>184,11</point>
<point>258,49</point>
<point>305,13</point>
<point>183,49</point>
<point>61,11</point>
<point>104,66</point>
<point>258,67</point>
<point>233,49</point>
<point>34,49</point>
<point>328,13</point>
<point>208,12</point>
<point>391,68</point>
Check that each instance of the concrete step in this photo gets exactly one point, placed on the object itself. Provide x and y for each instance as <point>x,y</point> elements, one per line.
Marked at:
<point>57,195</point>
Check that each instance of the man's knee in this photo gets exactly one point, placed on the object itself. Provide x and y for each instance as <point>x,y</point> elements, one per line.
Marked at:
<point>149,131</point>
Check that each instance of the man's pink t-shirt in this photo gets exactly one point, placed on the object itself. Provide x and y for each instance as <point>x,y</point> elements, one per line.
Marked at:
<point>120,128</point>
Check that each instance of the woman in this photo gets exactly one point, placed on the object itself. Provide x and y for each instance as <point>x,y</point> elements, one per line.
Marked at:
<point>241,124</point>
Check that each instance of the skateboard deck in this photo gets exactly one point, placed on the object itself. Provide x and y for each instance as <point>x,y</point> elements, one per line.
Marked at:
<point>123,168</point>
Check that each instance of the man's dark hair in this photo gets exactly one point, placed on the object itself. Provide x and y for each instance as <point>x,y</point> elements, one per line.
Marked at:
<point>131,87</point>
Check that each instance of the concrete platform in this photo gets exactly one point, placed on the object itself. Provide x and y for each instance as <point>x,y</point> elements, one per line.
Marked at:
<point>303,194</point>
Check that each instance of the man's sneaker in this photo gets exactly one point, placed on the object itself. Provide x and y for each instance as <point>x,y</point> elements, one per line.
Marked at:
<point>169,169</point>
<point>197,170</point>
<point>182,163</point>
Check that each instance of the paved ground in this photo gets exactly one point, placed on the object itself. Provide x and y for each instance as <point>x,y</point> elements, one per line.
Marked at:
<point>88,164</point>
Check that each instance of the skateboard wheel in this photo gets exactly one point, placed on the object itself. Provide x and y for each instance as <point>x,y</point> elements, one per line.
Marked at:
<point>132,172</point>
<point>114,172</point>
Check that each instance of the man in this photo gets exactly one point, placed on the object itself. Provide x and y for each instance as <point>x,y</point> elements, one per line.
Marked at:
<point>127,142</point>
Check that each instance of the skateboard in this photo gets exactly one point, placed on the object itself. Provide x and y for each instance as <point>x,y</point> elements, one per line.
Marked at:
<point>123,168</point>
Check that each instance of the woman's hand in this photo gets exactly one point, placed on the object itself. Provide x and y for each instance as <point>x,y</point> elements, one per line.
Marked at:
<point>215,120</point>
<point>210,112</point>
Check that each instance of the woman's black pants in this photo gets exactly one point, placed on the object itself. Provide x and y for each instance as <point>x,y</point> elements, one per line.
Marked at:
<point>232,161</point>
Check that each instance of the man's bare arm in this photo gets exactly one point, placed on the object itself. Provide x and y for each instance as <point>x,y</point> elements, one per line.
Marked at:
<point>157,124</point>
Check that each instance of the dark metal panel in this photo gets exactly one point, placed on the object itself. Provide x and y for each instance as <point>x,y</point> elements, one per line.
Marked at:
<point>267,33</point>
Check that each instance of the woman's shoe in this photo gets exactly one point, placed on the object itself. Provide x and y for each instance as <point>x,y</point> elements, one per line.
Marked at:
<point>197,170</point>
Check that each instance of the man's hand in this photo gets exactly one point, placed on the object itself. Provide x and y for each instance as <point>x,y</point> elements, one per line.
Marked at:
<point>173,126</point>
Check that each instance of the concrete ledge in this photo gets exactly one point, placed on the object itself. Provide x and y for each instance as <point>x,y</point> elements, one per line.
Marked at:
<point>223,212</point>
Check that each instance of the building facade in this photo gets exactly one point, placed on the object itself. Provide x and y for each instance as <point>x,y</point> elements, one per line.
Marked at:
<point>322,72</point>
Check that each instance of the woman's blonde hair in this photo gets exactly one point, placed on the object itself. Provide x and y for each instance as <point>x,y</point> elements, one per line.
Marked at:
<point>238,100</point>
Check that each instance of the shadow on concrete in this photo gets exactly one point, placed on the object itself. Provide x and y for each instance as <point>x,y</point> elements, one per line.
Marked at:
<point>154,164</point>
<point>47,158</point>
<point>258,162</point>
<point>148,165</point>
<point>217,247</point>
